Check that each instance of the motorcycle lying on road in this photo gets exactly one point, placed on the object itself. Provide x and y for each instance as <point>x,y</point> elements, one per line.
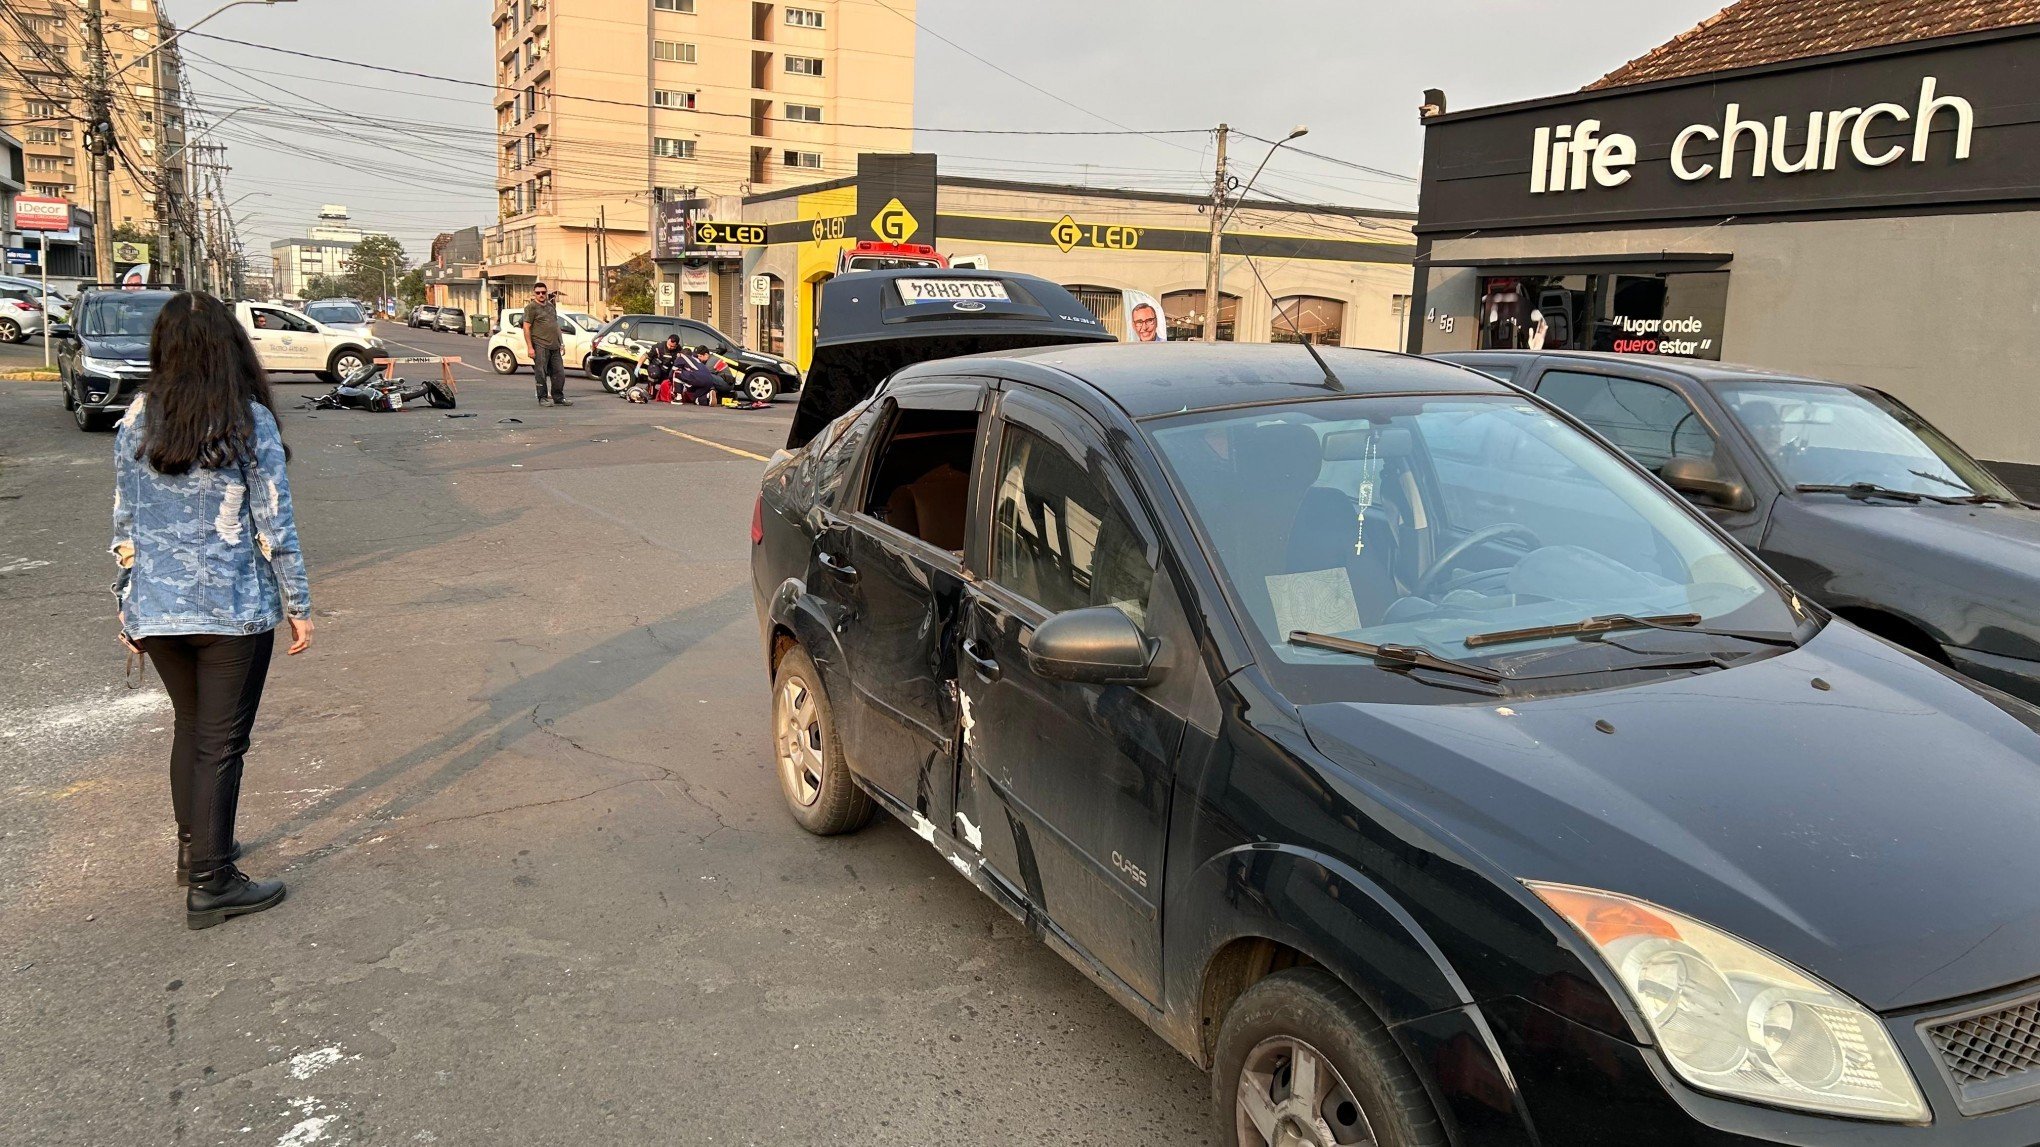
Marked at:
<point>370,388</point>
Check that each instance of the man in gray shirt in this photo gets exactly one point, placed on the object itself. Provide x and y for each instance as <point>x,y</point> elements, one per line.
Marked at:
<point>541,323</point>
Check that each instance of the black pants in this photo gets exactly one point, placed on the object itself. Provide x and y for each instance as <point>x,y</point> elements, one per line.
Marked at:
<point>215,684</point>
<point>546,363</point>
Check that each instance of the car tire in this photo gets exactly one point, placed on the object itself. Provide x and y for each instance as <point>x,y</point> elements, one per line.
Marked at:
<point>88,419</point>
<point>504,360</point>
<point>70,396</point>
<point>10,332</point>
<point>616,376</point>
<point>1365,1089</point>
<point>761,387</point>
<point>345,362</point>
<point>813,776</point>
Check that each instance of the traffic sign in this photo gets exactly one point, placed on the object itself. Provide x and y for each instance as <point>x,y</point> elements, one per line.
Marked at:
<point>894,223</point>
<point>761,290</point>
<point>21,256</point>
<point>709,233</point>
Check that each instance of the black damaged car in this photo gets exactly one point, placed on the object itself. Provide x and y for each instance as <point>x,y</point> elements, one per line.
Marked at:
<point>1397,750</point>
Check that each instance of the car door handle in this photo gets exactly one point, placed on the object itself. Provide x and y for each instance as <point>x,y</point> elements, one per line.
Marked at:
<point>987,667</point>
<point>836,565</point>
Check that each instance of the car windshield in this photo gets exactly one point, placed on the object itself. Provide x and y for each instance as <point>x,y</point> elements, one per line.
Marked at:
<point>336,313</point>
<point>585,322</point>
<point>1426,521</point>
<point>110,314</point>
<point>1837,436</point>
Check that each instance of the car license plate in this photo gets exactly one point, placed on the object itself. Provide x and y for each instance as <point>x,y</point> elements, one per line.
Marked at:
<point>951,290</point>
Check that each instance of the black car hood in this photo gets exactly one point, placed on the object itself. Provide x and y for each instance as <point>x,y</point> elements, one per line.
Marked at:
<point>2007,536</point>
<point>134,348</point>
<point>1879,835</point>
<point>866,332</point>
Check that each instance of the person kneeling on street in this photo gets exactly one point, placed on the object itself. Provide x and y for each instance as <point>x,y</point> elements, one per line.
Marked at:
<point>660,364</point>
<point>702,373</point>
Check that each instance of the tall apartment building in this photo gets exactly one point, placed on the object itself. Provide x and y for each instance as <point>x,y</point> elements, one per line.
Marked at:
<point>605,107</point>
<point>45,92</point>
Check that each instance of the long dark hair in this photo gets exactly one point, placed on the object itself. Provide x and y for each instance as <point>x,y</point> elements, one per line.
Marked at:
<point>203,376</point>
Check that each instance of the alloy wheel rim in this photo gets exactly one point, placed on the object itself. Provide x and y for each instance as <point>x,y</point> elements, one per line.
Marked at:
<point>616,378</point>
<point>761,388</point>
<point>505,362</point>
<point>9,330</point>
<point>347,365</point>
<point>797,739</point>
<point>1290,1095</point>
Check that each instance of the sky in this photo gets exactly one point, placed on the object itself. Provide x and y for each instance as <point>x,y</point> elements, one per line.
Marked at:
<point>413,155</point>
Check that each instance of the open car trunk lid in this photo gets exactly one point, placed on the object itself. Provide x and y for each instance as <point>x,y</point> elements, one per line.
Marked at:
<point>873,323</point>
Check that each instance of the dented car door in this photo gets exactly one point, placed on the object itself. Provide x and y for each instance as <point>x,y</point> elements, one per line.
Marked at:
<point>1064,787</point>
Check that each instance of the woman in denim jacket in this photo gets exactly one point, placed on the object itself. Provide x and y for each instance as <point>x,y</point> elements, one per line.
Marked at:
<point>209,567</point>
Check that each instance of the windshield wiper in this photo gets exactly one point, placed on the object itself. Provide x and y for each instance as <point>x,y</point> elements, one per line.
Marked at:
<point>1862,490</point>
<point>1398,658</point>
<point>1592,627</point>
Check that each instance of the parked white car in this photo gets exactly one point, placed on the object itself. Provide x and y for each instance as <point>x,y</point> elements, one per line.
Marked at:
<point>56,307</point>
<point>288,340</point>
<point>506,342</point>
<point>21,314</point>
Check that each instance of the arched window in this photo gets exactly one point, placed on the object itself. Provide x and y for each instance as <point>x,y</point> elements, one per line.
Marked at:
<point>1104,303</point>
<point>1185,313</point>
<point>1317,319</point>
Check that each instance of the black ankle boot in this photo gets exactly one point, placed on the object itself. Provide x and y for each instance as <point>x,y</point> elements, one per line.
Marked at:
<point>223,893</point>
<point>184,856</point>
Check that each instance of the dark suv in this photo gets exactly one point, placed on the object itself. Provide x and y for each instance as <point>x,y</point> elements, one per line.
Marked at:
<point>764,377</point>
<point>103,352</point>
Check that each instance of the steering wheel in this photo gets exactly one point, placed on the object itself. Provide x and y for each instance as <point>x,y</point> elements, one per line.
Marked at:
<point>1485,534</point>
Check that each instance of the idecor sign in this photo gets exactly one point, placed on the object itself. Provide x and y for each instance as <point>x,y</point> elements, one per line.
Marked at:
<point>36,213</point>
<point>1908,128</point>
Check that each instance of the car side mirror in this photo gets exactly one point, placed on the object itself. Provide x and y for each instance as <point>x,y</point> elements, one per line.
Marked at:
<point>1095,646</point>
<point>1700,478</point>
<point>61,331</point>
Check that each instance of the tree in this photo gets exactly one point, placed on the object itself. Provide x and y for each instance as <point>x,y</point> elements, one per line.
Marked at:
<point>411,288</point>
<point>132,233</point>
<point>375,265</point>
<point>329,287</point>
<point>630,290</point>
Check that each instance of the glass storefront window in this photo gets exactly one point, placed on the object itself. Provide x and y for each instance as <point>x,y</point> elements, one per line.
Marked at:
<point>1185,313</point>
<point>1315,319</point>
<point>775,319</point>
<point>1678,314</point>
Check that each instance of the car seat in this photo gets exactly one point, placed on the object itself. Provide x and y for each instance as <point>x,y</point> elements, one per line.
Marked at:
<point>932,507</point>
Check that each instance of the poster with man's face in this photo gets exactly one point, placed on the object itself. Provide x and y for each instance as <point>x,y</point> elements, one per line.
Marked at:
<point>1144,319</point>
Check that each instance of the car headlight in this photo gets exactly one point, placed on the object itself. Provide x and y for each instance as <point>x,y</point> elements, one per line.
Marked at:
<point>110,367</point>
<point>1731,1018</point>
<point>788,368</point>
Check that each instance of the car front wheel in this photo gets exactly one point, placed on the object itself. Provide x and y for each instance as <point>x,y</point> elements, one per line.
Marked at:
<point>1302,1061</point>
<point>88,419</point>
<point>760,387</point>
<point>616,377</point>
<point>813,776</point>
<point>504,360</point>
<point>345,363</point>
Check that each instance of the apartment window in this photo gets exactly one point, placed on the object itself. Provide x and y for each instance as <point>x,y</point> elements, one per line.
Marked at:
<point>804,17</point>
<point>673,52</point>
<point>42,163</point>
<point>48,188</point>
<point>666,148</point>
<point>804,113</point>
<point>686,6</point>
<point>43,109</point>
<point>811,159</point>
<point>670,99</point>
<point>804,65</point>
<point>42,135</point>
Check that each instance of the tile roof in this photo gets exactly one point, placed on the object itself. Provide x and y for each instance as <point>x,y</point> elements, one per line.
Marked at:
<point>1753,32</point>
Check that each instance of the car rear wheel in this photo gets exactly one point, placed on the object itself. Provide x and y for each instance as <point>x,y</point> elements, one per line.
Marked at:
<point>1302,1062</point>
<point>10,332</point>
<point>504,360</point>
<point>813,776</point>
<point>760,387</point>
<point>616,377</point>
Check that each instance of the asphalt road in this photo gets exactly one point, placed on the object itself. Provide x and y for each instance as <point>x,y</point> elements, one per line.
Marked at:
<point>541,886</point>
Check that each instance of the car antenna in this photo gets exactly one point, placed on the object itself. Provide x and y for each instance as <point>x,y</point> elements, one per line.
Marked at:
<point>1331,380</point>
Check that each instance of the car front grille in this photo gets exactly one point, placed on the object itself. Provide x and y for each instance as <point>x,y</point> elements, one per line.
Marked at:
<point>1992,1046</point>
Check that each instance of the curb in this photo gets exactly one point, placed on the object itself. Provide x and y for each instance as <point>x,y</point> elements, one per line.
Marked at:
<point>37,375</point>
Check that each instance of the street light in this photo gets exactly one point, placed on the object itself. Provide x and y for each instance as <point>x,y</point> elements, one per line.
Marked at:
<point>1220,216</point>
<point>1297,133</point>
<point>172,37</point>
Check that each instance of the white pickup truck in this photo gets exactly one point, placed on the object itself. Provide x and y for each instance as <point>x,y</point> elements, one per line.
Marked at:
<point>288,340</point>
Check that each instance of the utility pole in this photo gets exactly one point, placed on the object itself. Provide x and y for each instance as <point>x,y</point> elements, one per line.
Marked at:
<point>100,144</point>
<point>164,256</point>
<point>1217,236</point>
<point>602,251</point>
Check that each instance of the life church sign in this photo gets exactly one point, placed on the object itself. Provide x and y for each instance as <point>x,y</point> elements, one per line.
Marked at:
<point>1869,216</point>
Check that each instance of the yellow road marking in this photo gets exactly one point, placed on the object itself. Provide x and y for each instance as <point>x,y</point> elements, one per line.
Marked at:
<point>717,445</point>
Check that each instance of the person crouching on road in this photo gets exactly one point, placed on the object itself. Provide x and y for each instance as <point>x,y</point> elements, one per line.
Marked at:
<point>209,566</point>
<point>543,344</point>
<point>660,363</point>
<point>703,374</point>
